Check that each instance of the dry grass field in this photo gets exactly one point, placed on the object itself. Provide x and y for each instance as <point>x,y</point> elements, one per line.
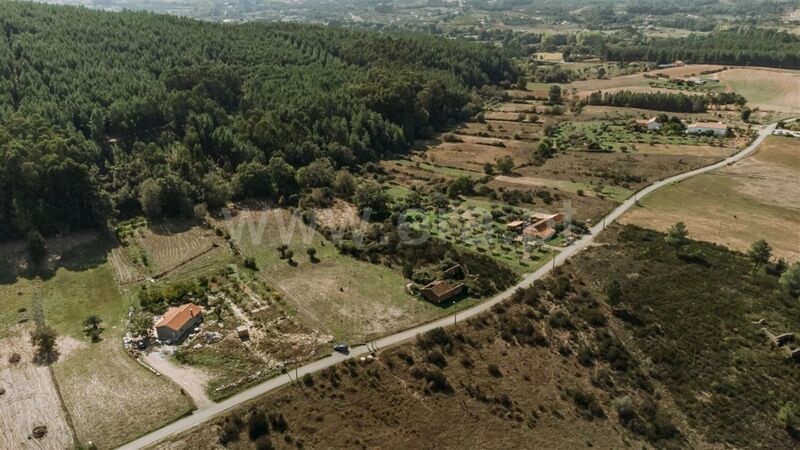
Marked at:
<point>30,399</point>
<point>769,89</point>
<point>474,152</point>
<point>112,399</point>
<point>338,295</point>
<point>735,206</point>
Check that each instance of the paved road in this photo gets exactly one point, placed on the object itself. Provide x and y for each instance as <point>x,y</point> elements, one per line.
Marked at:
<point>203,415</point>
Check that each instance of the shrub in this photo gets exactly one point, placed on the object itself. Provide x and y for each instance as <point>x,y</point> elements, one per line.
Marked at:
<point>586,403</point>
<point>437,381</point>
<point>494,371</point>
<point>250,263</point>
<point>561,320</point>
<point>436,358</point>
<point>450,137</point>
<point>229,432</point>
<point>257,425</point>
<point>278,422</point>
<point>308,380</point>
<point>264,443</point>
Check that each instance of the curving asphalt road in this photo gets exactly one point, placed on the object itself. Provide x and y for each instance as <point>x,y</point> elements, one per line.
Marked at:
<point>205,414</point>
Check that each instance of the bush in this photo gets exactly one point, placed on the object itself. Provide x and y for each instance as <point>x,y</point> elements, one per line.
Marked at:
<point>278,422</point>
<point>250,263</point>
<point>450,137</point>
<point>437,381</point>
<point>586,403</point>
<point>436,358</point>
<point>561,320</point>
<point>229,432</point>
<point>494,371</point>
<point>257,425</point>
<point>308,380</point>
<point>264,443</point>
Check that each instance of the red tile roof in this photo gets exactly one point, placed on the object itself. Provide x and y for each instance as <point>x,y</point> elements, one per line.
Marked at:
<point>176,318</point>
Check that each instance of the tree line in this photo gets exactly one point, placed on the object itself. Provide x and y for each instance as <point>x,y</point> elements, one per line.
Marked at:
<point>660,101</point>
<point>740,47</point>
<point>108,115</point>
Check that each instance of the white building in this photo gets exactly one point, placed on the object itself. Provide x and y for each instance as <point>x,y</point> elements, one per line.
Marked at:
<point>717,128</point>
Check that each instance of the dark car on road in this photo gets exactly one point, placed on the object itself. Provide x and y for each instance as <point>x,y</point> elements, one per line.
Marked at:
<point>342,348</point>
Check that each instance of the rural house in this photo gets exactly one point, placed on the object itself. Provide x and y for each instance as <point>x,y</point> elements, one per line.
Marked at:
<point>543,226</point>
<point>178,321</point>
<point>717,128</point>
<point>441,290</point>
<point>651,124</point>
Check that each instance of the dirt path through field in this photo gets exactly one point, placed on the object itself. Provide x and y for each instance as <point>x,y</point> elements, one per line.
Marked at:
<point>192,381</point>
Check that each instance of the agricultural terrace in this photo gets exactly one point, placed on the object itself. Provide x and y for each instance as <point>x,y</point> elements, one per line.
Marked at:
<point>351,300</point>
<point>100,384</point>
<point>174,249</point>
<point>754,199</point>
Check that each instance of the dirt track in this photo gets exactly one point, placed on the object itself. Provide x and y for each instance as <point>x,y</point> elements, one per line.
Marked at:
<point>191,380</point>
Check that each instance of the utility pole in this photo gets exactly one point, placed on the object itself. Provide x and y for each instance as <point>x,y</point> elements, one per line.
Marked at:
<point>455,311</point>
<point>296,371</point>
<point>288,373</point>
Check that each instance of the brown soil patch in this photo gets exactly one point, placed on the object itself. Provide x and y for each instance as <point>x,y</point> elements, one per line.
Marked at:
<point>67,345</point>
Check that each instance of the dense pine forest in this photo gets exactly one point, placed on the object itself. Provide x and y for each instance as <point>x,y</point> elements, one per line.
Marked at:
<point>108,115</point>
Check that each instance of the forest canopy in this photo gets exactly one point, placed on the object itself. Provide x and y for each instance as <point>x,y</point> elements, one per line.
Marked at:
<point>109,115</point>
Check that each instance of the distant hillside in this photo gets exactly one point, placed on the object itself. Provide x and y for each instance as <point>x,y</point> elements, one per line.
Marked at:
<point>94,104</point>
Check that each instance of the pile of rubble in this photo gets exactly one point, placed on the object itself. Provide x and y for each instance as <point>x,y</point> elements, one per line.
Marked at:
<point>782,341</point>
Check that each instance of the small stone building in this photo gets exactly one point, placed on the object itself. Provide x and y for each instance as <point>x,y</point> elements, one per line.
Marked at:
<point>441,290</point>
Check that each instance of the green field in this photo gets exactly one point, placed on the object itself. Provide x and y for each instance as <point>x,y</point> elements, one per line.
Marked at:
<point>775,90</point>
